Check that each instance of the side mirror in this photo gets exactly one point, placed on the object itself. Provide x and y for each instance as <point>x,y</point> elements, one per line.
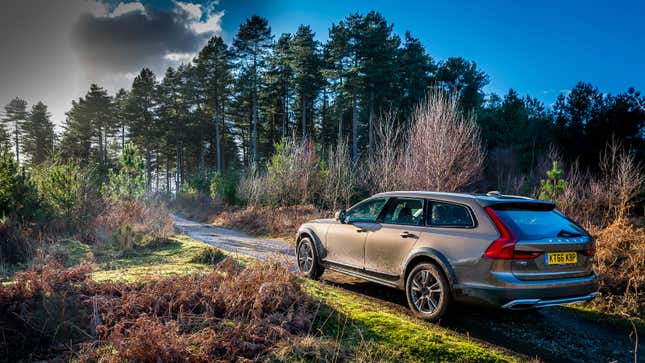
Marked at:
<point>340,216</point>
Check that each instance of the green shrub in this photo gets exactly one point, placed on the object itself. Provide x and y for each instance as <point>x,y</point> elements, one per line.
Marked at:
<point>125,237</point>
<point>554,185</point>
<point>67,193</point>
<point>130,180</point>
<point>18,197</point>
<point>209,256</point>
<point>223,187</point>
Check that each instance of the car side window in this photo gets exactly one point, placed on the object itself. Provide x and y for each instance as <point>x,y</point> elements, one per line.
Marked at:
<point>407,211</point>
<point>449,215</point>
<point>367,211</point>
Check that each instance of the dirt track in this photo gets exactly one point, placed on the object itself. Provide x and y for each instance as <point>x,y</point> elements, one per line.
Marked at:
<point>553,334</point>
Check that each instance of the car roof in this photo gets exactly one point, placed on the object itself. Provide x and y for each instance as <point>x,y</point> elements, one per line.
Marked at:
<point>481,199</point>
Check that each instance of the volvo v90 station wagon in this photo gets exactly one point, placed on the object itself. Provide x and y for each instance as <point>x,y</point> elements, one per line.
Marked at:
<point>505,251</point>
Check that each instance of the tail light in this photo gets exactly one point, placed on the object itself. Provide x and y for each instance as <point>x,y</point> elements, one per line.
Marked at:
<point>589,253</point>
<point>504,246</point>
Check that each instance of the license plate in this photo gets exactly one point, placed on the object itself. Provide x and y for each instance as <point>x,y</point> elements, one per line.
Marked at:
<point>561,258</point>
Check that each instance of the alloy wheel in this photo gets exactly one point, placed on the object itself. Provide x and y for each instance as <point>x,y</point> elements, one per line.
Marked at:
<point>305,257</point>
<point>425,291</point>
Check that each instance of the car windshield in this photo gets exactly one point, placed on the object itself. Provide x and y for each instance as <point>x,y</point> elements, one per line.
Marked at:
<point>531,224</point>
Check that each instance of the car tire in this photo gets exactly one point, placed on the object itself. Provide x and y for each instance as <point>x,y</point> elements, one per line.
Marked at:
<point>307,259</point>
<point>428,299</point>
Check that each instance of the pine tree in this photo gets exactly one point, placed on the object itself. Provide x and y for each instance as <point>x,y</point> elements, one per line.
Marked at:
<point>415,69</point>
<point>140,110</point>
<point>337,54</point>
<point>305,59</point>
<point>378,51</point>
<point>252,45</point>
<point>171,123</point>
<point>554,185</point>
<point>98,113</point>
<point>278,91</point>
<point>87,129</point>
<point>457,74</point>
<point>213,69</point>
<point>5,141</point>
<point>120,116</point>
<point>15,116</point>
<point>78,132</point>
<point>38,138</point>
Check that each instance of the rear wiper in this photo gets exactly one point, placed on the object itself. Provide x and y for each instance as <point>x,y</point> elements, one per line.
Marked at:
<point>565,233</point>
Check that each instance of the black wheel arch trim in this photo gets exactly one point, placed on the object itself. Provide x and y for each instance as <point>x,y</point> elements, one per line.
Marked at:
<point>437,257</point>
<point>306,231</point>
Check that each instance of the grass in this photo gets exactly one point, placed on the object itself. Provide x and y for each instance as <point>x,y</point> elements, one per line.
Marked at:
<point>367,331</point>
<point>177,255</point>
<point>392,335</point>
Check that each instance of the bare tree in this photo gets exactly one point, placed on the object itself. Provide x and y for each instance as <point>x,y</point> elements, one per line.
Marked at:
<point>621,176</point>
<point>339,183</point>
<point>444,150</point>
<point>382,171</point>
<point>601,199</point>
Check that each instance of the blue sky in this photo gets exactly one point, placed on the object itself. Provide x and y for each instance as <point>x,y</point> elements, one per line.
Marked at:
<point>52,50</point>
<point>536,47</point>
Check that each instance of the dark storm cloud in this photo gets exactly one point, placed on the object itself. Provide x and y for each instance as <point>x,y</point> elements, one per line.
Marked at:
<point>127,42</point>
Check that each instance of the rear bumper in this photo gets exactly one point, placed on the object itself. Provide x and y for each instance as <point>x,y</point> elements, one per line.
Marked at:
<point>521,304</point>
<point>530,294</point>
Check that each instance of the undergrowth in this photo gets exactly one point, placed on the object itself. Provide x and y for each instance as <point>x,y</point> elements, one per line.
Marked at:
<point>226,314</point>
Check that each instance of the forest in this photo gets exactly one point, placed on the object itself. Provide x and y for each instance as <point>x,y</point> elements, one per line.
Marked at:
<point>261,135</point>
<point>225,111</point>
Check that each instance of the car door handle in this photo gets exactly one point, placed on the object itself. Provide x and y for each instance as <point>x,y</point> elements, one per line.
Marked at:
<point>361,230</point>
<point>407,235</point>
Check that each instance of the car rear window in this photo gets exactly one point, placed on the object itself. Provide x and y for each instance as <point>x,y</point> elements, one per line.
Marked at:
<point>449,215</point>
<point>536,224</point>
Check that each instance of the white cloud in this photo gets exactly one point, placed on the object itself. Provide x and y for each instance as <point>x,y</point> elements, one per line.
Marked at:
<point>179,57</point>
<point>194,10</point>
<point>213,23</point>
<point>44,63</point>
<point>124,8</point>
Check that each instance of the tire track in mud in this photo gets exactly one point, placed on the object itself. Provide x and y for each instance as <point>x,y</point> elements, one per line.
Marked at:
<point>552,334</point>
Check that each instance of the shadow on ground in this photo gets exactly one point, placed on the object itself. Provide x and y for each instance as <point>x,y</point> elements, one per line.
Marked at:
<point>554,334</point>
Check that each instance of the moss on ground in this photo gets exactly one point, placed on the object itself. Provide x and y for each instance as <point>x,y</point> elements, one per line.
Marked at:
<point>176,255</point>
<point>364,324</point>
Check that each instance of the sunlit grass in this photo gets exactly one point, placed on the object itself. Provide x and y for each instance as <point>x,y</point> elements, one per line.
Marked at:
<point>361,323</point>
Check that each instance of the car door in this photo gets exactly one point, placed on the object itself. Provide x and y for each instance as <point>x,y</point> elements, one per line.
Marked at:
<point>346,240</point>
<point>402,223</point>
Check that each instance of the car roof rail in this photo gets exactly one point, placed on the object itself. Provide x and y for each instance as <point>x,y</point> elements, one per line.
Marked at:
<point>497,194</point>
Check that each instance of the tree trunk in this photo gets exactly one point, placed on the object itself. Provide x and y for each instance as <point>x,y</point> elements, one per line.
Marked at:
<point>285,110</point>
<point>370,132</point>
<point>354,131</point>
<point>167,174</point>
<point>340,119</point>
<point>202,158</point>
<point>148,168</point>
<point>157,172</point>
<point>122,136</point>
<point>218,146</point>
<point>17,136</point>
<point>304,119</point>
<point>254,116</point>
<point>177,167</point>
